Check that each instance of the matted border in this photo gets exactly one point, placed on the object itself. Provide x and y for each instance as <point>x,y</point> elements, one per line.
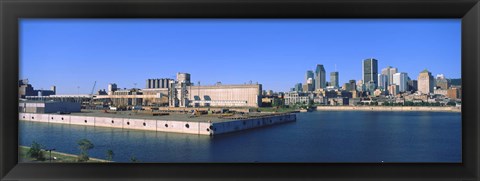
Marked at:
<point>12,10</point>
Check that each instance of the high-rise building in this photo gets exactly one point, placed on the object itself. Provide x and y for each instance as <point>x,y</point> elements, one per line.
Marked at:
<point>353,86</point>
<point>382,81</point>
<point>425,82</point>
<point>389,71</point>
<point>310,86</point>
<point>334,79</point>
<point>401,79</point>
<point>349,86</point>
<point>309,75</point>
<point>320,77</point>
<point>412,85</point>
<point>298,87</point>
<point>370,71</point>
<point>441,82</point>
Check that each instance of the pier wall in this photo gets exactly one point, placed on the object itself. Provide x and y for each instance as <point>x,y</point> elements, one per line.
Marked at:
<point>189,127</point>
<point>243,124</point>
<point>124,123</point>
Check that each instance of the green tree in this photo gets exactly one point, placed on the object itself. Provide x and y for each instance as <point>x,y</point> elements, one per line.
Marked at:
<point>84,145</point>
<point>110,155</point>
<point>36,152</point>
<point>451,104</point>
<point>408,103</point>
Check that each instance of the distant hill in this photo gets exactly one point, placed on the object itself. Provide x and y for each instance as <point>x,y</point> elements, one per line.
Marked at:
<point>455,81</point>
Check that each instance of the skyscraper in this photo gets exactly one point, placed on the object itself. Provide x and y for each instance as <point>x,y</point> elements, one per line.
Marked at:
<point>389,71</point>
<point>401,79</point>
<point>370,71</point>
<point>298,87</point>
<point>441,82</point>
<point>334,79</point>
<point>382,81</point>
<point>309,75</point>
<point>412,85</point>
<point>309,86</point>
<point>425,82</point>
<point>320,77</point>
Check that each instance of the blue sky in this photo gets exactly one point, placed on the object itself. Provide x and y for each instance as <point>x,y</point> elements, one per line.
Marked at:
<point>71,53</point>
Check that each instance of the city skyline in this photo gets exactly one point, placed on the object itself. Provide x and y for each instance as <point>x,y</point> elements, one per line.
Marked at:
<point>277,64</point>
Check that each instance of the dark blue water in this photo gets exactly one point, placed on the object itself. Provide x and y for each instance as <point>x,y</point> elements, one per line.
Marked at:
<point>315,137</point>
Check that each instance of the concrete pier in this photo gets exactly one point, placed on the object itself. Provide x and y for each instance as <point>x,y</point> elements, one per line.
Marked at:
<point>175,123</point>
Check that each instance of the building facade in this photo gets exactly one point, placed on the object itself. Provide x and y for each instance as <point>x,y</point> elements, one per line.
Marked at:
<point>370,71</point>
<point>320,77</point>
<point>425,82</point>
<point>248,95</point>
<point>298,87</point>
<point>389,71</point>
<point>292,98</point>
<point>309,75</point>
<point>158,83</point>
<point>334,79</point>
<point>401,79</point>
<point>441,82</point>
<point>382,81</point>
<point>393,89</point>
<point>25,89</point>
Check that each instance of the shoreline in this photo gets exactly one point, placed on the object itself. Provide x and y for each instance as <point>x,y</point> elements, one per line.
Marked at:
<point>389,108</point>
<point>70,156</point>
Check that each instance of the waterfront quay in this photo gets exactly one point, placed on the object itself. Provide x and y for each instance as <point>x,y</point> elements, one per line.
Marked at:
<point>389,108</point>
<point>173,122</point>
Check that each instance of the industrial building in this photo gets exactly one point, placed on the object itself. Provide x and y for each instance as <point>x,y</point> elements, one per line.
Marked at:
<point>247,95</point>
<point>26,89</point>
<point>158,83</point>
<point>48,107</point>
<point>182,93</point>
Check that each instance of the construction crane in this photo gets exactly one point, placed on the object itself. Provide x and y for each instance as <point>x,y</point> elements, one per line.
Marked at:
<point>91,95</point>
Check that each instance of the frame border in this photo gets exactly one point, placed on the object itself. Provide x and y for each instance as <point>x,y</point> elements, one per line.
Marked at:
<point>467,10</point>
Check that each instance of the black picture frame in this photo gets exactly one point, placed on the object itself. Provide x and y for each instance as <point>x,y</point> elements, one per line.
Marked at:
<point>12,10</point>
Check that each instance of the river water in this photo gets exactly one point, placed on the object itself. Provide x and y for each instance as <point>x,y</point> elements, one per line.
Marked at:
<point>320,136</point>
